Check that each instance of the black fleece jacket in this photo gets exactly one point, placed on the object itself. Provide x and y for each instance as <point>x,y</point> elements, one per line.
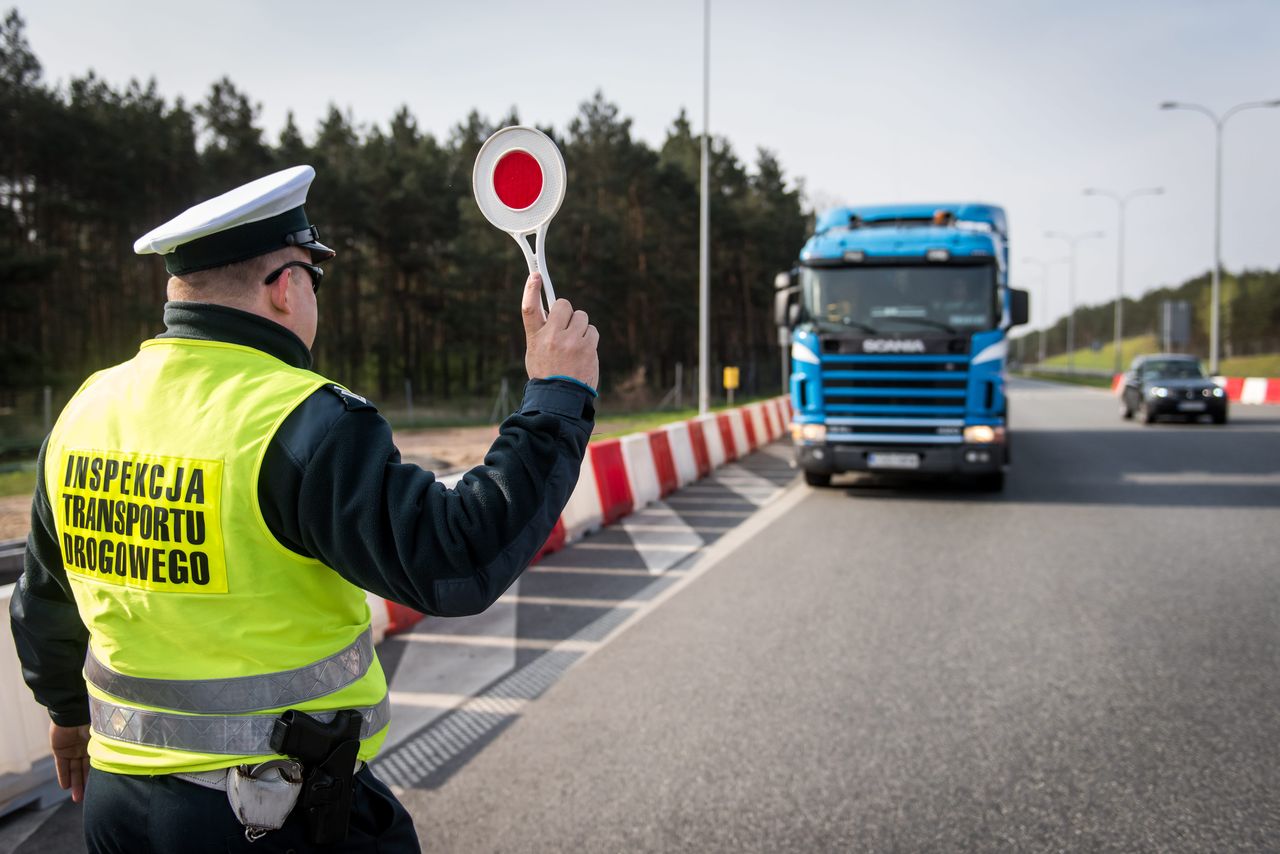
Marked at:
<point>332,487</point>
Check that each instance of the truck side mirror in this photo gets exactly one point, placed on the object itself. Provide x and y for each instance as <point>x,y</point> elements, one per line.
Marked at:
<point>786,306</point>
<point>1019,307</point>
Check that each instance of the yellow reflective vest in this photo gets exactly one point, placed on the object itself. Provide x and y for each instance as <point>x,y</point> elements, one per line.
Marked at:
<point>203,627</point>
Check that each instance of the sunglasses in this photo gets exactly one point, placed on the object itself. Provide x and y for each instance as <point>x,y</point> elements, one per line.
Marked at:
<point>317,274</point>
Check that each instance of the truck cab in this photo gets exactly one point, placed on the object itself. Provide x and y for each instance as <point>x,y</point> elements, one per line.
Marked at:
<point>898,317</point>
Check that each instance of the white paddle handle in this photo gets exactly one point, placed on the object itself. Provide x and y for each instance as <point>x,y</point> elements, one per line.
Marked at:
<point>537,261</point>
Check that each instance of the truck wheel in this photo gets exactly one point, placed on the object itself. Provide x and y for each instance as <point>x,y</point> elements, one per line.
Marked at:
<point>814,478</point>
<point>1220,417</point>
<point>992,482</point>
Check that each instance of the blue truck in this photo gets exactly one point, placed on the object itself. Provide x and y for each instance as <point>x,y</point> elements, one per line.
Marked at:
<point>898,319</point>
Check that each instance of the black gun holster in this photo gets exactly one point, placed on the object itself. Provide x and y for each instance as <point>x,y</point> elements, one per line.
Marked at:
<point>328,753</point>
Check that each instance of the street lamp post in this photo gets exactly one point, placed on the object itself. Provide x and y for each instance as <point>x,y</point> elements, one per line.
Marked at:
<point>1044,302</point>
<point>704,225</point>
<point>1218,124</point>
<point>1121,203</point>
<point>1073,240</point>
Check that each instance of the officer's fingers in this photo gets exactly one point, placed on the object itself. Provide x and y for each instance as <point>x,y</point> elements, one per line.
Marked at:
<point>78,771</point>
<point>560,315</point>
<point>592,336</point>
<point>578,323</point>
<point>531,306</point>
<point>63,767</point>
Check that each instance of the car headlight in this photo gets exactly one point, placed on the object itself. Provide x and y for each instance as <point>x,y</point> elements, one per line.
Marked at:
<point>1218,392</point>
<point>983,434</point>
<point>809,432</point>
<point>1159,391</point>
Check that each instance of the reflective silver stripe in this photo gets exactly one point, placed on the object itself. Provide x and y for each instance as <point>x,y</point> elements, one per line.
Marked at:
<point>237,735</point>
<point>239,694</point>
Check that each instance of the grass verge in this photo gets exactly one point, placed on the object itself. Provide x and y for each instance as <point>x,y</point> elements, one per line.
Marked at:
<point>18,482</point>
<point>1070,379</point>
<point>1103,359</point>
<point>635,422</point>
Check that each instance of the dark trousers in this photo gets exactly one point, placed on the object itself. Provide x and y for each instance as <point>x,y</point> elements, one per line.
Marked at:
<point>138,815</point>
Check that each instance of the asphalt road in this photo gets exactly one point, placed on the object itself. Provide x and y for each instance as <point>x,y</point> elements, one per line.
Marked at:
<point>1088,662</point>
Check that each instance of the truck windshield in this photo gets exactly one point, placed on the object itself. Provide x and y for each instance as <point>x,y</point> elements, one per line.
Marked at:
<point>953,298</point>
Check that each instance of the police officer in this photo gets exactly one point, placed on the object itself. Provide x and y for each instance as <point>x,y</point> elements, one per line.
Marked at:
<point>206,520</point>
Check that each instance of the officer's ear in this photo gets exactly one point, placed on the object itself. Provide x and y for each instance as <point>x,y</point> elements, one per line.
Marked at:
<point>278,291</point>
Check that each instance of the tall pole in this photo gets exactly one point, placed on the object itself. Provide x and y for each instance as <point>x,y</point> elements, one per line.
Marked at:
<point>1122,203</point>
<point>1216,294</point>
<point>1073,240</point>
<point>1043,302</point>
<point>704,226</point>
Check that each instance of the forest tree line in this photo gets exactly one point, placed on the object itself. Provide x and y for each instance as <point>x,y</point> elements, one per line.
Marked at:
<point>424,292</point>
<point>1250,320</point>
<point>423,289</point>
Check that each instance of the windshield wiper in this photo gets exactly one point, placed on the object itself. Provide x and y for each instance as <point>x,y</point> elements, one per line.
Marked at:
<point>936,324</point>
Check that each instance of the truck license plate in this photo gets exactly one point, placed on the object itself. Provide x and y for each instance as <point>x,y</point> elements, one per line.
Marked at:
<point>1192,406</point>
<point>893,461</point>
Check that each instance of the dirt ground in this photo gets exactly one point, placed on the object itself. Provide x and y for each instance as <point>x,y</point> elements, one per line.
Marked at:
<point>440,450</point>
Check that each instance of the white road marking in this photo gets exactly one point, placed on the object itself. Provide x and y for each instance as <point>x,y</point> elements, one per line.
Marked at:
<point>660,536</point>
<point>587,570</point>
<point>568,601</point>
<point>748,484</point>
<point>1204,478</point>
<point>468,721</point>
<point>422,669</point>
<point>501,641</point>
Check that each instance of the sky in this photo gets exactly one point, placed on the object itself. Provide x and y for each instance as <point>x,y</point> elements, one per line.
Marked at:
<point>1022,103</point>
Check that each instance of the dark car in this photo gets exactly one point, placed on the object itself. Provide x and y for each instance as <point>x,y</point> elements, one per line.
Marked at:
<point>1168,384</point>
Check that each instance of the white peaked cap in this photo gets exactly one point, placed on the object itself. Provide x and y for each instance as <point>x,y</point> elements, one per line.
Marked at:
<point>251,220</point>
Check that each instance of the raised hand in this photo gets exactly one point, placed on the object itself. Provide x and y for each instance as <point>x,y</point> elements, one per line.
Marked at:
<point>561,342</point>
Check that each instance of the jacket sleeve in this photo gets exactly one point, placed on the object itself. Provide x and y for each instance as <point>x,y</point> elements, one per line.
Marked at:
<point>50,637</point>
<point>333,487</point>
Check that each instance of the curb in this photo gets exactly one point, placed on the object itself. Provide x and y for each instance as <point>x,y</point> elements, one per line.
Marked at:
<point>622,475</point>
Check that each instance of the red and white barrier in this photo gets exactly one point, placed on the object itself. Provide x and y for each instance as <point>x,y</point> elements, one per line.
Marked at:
<point>682,454</point>
<point>622,475</point>
<point>1239,389</point>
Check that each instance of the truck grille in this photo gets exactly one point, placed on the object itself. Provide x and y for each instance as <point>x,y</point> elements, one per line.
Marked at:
<point>895,397</point>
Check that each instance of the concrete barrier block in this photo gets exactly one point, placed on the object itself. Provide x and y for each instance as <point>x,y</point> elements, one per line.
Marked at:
<point>582,512</point>
<point>611,479</point>
<point>682,456</point>
<point>664,462</point>
<point>755,417</point>
<point>24,738</point>
<point>698,441</point>
<point>642,474</point>
<point>741,440</point>
<point>713,436</point>
<point>1254,390</point>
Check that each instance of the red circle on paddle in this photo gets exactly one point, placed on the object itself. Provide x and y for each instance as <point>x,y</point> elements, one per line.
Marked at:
<point>517,179</point>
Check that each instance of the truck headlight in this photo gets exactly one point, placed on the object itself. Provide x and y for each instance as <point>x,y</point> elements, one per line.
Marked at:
<point>1159,391</point>
<point>983,434</point>
<point>809,432</point>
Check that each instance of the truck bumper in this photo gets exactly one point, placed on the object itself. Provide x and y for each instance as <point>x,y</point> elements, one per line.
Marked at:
<point>836,457</point>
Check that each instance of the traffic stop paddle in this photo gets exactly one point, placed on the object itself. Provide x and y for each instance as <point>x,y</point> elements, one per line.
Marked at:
<point>519,183</point>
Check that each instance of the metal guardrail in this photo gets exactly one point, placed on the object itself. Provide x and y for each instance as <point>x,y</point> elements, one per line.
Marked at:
<point>1054,369</point>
